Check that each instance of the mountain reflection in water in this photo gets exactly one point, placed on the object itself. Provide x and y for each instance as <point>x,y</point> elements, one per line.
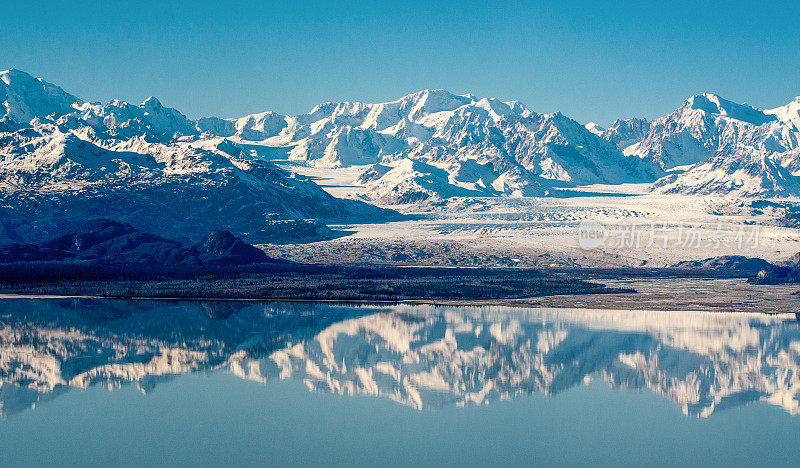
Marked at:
<point>421,356</point>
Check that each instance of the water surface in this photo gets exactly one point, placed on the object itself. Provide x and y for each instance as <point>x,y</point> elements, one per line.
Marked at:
<point>159,383</point>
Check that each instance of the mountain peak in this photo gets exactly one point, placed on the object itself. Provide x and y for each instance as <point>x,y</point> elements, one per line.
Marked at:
<point>790,113</point>
<point>708,102</point>
<point>430,91</point>
<point>26,97</point>
<point>14,73</point>
<point>431,101</point>
<point>714,104</point>
<point>595,128</point>
<point>152,103</point>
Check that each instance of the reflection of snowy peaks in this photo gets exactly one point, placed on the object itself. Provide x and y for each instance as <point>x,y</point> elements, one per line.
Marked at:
<point>439,357</point>
<point>422,356</point>
<point>60,344</point>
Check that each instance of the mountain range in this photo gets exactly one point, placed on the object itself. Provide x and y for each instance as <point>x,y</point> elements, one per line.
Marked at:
<point>62,158</point>
<point>74,161</point>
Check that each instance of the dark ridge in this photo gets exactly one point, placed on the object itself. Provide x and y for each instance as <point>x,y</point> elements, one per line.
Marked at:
<point>224,247</point>
<point>108,241</point>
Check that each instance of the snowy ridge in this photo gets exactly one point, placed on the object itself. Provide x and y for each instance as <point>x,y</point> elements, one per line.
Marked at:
<point>624,133</point>
<point>428,144</point>
<point>732,148</point>
<point>788,114</point>
<point>521,151</point>
<point>707,126</point>
<point>24,98</point>
<point>120,120</point>
<point>748,173</point>
<point>595,128</point>
<point>445,136</point>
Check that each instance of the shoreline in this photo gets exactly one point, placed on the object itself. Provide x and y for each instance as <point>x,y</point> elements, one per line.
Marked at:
<point>697,295</point>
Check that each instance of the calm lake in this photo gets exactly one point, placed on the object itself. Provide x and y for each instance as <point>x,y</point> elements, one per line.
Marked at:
<point>227,383</point>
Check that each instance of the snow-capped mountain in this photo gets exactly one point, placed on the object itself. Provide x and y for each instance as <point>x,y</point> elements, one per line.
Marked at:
<point>52,181</point>
<point>255,127</point>
<point>444,137</point>
<point>707,124</point>
<point>427,145</point>
<point>730,149</point>
<point>421,356</point>
<point>623,133</point>
<point>595,128</point>
<point>456,144</point>
<point>746,173</point>
<point>434,144</point>
<point>788,114</point>
<point>119,120</point>
<point>697,129</point>
<point>63,162</point>
<point>24,98</point>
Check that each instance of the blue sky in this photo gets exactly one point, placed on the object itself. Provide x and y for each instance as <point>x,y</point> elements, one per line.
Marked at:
<point>590,60</point>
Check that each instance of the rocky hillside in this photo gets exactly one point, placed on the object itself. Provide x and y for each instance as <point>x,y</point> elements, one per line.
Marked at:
<point>107,241</point>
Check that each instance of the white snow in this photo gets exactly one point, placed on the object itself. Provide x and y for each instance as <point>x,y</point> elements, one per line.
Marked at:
<point>595,128</point>
<point>790,113</point>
